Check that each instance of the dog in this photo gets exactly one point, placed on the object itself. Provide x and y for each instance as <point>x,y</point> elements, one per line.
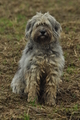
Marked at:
<point>42,61</point>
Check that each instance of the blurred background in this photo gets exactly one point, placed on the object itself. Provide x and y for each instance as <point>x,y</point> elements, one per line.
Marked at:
<point>13,19</point>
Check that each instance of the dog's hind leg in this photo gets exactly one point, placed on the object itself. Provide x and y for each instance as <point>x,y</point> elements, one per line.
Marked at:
<point>18,83</point>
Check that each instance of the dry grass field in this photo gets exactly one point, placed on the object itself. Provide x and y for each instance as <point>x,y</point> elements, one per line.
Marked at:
<point>14,15</point>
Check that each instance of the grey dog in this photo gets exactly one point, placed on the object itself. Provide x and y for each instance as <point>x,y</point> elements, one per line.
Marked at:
<point>42,61</point>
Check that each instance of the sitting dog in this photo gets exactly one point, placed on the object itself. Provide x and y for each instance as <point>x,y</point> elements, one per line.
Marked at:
<point>42,61</point>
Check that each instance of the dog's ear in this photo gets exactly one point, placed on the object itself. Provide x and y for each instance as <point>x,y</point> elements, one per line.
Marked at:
<point>28,29</point>
<point>28,25</point>
<point>55,25</point>
<point>58,28</point>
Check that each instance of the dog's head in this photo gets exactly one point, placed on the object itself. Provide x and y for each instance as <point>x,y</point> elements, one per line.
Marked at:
<point>43,28</point>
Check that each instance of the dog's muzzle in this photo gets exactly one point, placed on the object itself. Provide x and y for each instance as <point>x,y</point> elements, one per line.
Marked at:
<point>42,35</point>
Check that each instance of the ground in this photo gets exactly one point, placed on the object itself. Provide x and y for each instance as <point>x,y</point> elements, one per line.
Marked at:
<point>13,18</point>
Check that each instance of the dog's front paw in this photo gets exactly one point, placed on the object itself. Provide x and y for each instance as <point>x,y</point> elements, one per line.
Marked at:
<point>32,99</point>
<point>50,102</point>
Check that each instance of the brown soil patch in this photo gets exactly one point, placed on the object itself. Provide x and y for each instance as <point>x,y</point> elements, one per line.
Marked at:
<point>13,18</point>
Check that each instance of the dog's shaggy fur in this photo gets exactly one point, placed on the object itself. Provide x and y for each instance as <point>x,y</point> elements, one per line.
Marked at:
<point>42,61</point>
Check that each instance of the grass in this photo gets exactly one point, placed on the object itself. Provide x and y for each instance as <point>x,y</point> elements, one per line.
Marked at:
<point>12,30</point>
<point>6,24</point>
<point>78,47</point>
<point>65,55</point>
<point>20,17</point>
<point>75,107</point>
<point>70,69</point>
<point>4,62</point>
<point>69,111</point>
<point>67,79</point>
<point>26,117</point>
<point>33,103</point>
<point>67,29</point>
<point>72,109</point>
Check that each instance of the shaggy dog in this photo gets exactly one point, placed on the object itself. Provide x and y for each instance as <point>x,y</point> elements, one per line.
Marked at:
<point>42,61</point>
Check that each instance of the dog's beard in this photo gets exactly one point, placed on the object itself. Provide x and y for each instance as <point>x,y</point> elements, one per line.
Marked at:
<point>42,37</point>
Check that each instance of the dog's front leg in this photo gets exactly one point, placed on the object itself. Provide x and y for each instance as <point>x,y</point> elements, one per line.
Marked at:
<point>50,89</point>
<point>32,85</point>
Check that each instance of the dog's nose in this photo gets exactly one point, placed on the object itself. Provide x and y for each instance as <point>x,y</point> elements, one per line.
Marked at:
<point>43,32</point>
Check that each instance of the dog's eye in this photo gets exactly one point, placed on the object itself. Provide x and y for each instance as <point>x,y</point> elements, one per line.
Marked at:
<point>46,25</point>
<point>56,28</point>
<point>37,25</point>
